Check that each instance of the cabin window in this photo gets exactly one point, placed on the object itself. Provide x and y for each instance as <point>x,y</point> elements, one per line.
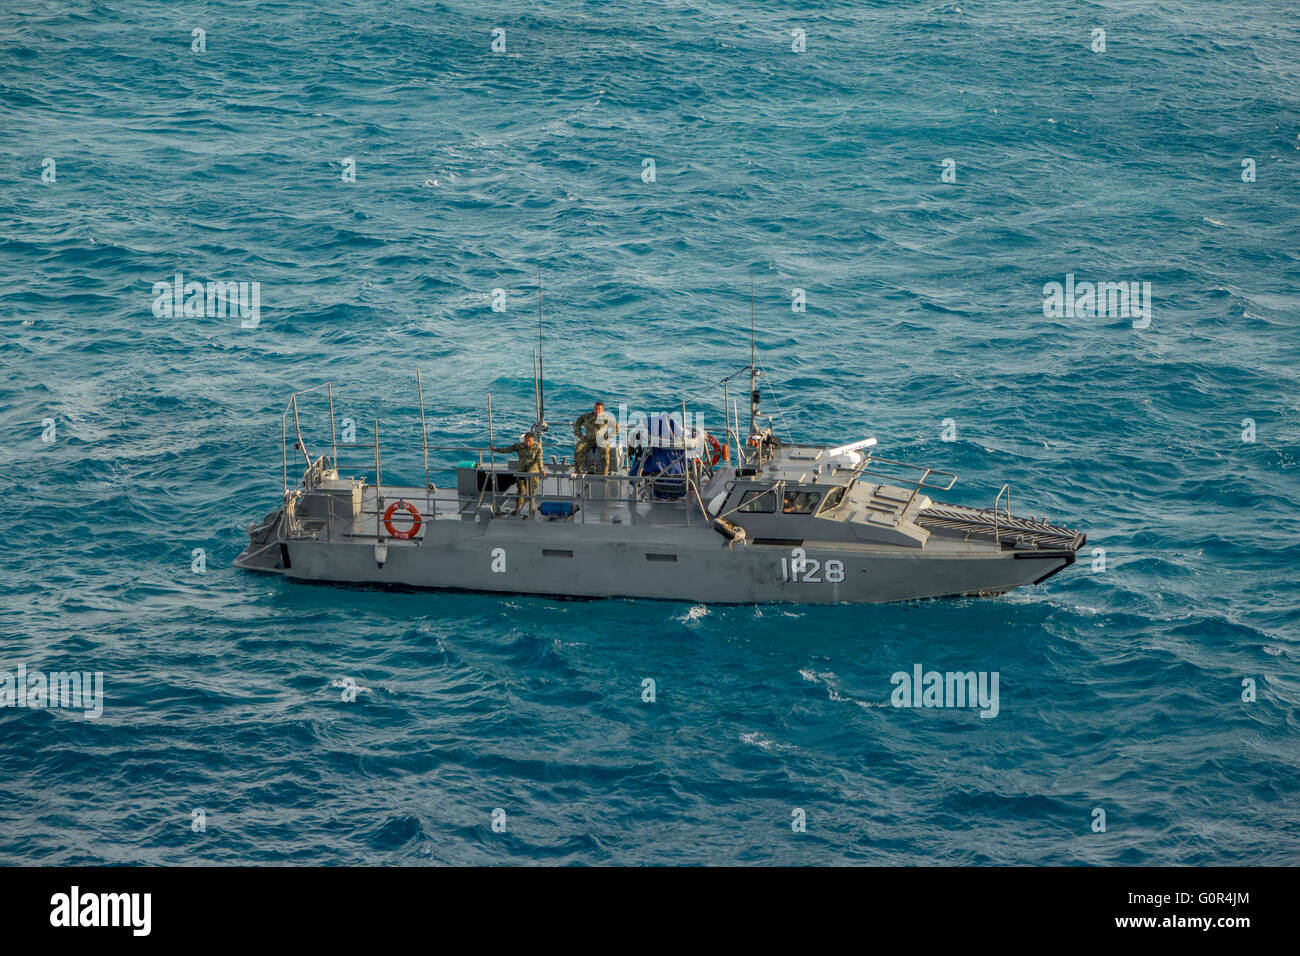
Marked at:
<point>800,502</point>
<point>758,502</point>
<point>833,499</point>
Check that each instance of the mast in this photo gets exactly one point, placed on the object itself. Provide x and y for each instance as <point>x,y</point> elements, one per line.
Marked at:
<point>492,447</point>
<point>537,395</point>
<point>753,365</point>
<point>541,388</point>
<point>424,433</point>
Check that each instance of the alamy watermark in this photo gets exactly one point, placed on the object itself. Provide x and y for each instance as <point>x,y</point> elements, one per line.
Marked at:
<point>213,300</point>
<point>922,688</point>
<point>1085,300</point>
<point>75,908</point>
<point>649,429</point>
<point>656,429</point>
<point>75,690</point>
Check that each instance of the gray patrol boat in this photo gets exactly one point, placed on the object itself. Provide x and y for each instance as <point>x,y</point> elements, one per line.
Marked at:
<point>682,516</point>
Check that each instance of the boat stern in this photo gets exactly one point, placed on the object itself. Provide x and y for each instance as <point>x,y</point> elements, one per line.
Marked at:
<point>266,550</point>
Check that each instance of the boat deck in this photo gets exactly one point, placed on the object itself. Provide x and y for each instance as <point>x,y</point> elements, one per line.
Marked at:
<point>599,505</point>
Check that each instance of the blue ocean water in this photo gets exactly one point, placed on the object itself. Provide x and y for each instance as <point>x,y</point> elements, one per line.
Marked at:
<point>820,170</point>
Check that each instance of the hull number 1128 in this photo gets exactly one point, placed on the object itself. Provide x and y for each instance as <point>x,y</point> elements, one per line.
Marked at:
<point>800,568</point>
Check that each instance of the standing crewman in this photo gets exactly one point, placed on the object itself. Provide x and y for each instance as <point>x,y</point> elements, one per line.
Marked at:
<point>594,431</point>
<point>530,470</point>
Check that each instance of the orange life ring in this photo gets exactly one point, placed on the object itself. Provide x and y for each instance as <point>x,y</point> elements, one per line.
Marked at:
<point>416,520</point>
<point>717,449</point>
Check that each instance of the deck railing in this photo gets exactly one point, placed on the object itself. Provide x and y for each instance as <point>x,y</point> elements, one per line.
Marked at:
<point>1005,489</point>
<point>916,483</point>
<point>633,490</point>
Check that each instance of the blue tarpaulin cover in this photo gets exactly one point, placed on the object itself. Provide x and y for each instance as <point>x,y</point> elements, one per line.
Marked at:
<point>665,462</point>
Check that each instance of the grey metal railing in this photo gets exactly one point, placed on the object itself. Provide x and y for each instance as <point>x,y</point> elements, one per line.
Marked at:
<point>582,488</point>
<point>1005,489</point>
<point>916,483</point>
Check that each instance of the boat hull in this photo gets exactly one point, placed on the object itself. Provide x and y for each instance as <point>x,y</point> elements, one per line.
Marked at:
<point>686,564</point>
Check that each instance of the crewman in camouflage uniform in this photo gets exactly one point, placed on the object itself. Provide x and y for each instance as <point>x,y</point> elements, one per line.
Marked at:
<point>530,463</point>
<point>594,431</point>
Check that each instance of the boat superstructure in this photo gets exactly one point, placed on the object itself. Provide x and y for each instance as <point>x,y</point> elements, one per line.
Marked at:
<point>735,520</point>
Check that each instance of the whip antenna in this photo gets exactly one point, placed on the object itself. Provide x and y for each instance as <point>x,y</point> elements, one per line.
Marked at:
<point>541,390</point>
<point>751,320</point>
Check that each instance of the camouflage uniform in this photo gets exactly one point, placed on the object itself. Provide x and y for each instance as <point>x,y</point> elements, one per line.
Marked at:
<point>603,427</point>
<point>530,461</point>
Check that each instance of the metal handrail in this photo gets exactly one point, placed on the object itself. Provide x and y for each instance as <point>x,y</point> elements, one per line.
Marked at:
<point>922,483</point>
<point>581,485</point>
<point>292,406</point>
<point>997,540</point>
<point>917,490</point>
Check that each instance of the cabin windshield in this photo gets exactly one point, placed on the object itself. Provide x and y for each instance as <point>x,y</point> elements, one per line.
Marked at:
<point>833,500</point>
<point>800,502</point>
